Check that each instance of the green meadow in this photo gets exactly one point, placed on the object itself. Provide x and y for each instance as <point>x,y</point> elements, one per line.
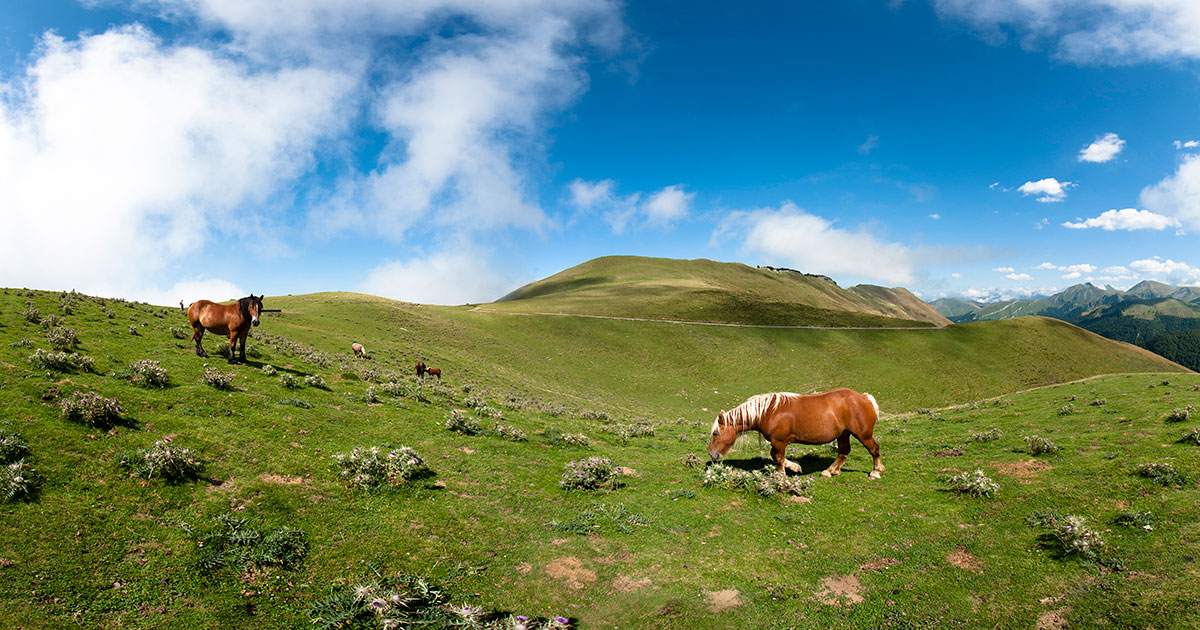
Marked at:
<point>489,526</point>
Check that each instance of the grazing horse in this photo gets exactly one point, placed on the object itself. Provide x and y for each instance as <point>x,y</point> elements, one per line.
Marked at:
<point>435,372</point>
<point>784,418</point>
<point>359,350</point>
<point>420,369</point>
<point>225,319</point>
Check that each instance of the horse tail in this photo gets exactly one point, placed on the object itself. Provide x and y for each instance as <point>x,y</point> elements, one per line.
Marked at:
<point>873,404</point>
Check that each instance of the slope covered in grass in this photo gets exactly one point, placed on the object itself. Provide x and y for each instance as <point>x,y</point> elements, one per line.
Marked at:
<point>99,548</point>
<point>705,290</point>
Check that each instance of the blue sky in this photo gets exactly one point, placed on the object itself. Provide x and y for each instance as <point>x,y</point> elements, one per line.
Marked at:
<point>448,151</point>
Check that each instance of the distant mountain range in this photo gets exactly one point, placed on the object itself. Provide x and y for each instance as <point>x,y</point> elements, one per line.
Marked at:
<point>1160,317</point>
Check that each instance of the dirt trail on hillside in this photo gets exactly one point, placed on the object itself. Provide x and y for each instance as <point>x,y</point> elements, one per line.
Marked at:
<point>478,309</point>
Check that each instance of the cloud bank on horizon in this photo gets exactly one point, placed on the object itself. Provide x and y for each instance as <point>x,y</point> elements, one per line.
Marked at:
<point>409,150</point>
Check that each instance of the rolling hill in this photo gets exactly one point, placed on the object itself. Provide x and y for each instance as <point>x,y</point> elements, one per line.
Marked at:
<point>98,547</point>
<point>709,291</point>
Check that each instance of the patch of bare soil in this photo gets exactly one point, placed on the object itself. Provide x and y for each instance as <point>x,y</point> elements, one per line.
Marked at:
<point>962,559</point>
<point>1053,620</point>
<point>722,600</point>
<point>283,480</point>
<point>879,565</point>
<point>841,590</point>
<point>569,571</point>
<point>628,471</point>
<point>626,584</point>
<point>466,450</point>
<point>1026,469</point>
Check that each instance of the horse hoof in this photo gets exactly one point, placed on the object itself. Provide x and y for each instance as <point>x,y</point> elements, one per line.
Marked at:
<point>874,475</point>
<point>826,474</point>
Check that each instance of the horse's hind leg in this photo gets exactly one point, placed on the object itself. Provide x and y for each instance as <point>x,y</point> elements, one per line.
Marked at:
<point>197,335</point>
<point>873,446</point>
<point>835,468</point>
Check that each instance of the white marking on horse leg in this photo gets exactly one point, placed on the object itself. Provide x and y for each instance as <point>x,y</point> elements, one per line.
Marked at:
<point>792,466</point>
<point>874,475</point>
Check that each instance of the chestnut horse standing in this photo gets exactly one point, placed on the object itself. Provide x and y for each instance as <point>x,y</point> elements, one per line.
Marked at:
<point>434,372</point>
<point>784,418</point>
<point>225,319</point>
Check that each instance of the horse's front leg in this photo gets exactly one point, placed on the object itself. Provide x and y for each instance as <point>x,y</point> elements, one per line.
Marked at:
<point>242,345</point>
<point>233,337</point>
<point>779,454</point>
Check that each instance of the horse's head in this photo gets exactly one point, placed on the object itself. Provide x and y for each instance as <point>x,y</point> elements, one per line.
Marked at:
<point>723,437</point>
<point>254,307</point>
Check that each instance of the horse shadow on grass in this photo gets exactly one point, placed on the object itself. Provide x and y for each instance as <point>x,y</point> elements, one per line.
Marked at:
<point>809,463</point>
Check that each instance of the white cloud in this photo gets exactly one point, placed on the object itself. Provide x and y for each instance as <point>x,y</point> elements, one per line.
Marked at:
<point>1047,265</point>
<point>1075,269</point>
<point>956,275</point>
<point>1019,276</point>
<point>1047,190</point>
<point>1072,275</point>
<point>812,244</point>
<point>868,145</point>
<point>661,209</point>
<point>442,278</point>
<point>1000,294</point>
<point>1187,144</point>
<point>1174,272</point>
<point>1102,149</point>
<point>1004,269</point>
<point>1041,224</point>
<point>1115,270</point>
<point>1125,219</point>
<point>121,157</point>
<point>191,290</point>
<point>1177,195</point>
<point>935,216</point>
<point>1089,31</point>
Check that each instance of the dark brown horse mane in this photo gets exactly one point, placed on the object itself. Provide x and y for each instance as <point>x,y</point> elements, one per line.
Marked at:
<point>244,305</point>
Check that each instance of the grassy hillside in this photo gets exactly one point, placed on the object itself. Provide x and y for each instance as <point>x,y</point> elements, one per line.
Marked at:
<point>705,290</point>
<point>98,548</point>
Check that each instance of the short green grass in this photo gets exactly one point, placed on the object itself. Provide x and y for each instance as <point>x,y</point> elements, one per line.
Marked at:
<point>98,548</point>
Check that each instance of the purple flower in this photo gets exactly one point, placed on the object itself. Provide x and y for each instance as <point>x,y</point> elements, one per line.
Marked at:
<point>522,618</point>
<point>562,620</point>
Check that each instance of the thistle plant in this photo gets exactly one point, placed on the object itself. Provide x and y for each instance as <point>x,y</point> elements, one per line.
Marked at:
<point>315,380</point>
<point>1181,414</point>
<point>269,370</point>
<point>975,484</point>
<point>61,361</point>
<point>217,379</point>
<point>379,466</point>
<point>62,338</point>
<point>510,433</point>
<point>148,373</point>
<point>990,435</point>
<point>1040,445</point>
<point>1163,474</point>
<point>462,423</point>
<point>18,480</point>
<point>288,381</point>
<point>163,459</point>
<point>12,447</point>
<point>554,437</point>
<point>590,473</point>
<point>92,409</point>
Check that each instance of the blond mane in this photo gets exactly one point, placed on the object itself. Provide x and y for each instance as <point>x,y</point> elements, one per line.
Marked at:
<point>746,415</point>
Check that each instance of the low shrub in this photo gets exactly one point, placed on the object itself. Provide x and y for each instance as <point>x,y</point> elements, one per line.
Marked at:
<point>21,343</point>
<point>600,518</point>
<point>1137,519</point>
<point>269,370</point>
<point>691,460</point>
<point>1040,445</point>
<point>92,409</point>
<point>1191,436</point>
<point>554,437</point>
<point>627,431</point>
<point>765,482</point>
<point>991,435</point>
<point>148,373</point>
<point>1070,533</point>
<point>18,481</point>
<point>163,459</point>
<point>315,380</point>
<point>61,361</point>
<point>462,423</point>
<point>1097,402</point>
<point>133,330</point>
<point>1066,410</point>
<point>294,402</point>
<point>379,466</point>
<point>482,407</point>
<point>510,433</point>
<point>62,338</point>
<point>233,544</point>
<point>1181,415</point>
<point>289,381</point>
<point>975,484</point>
<point>12,447</point>
<point>1162,473</point>
<point>590,473</point>
<point>217,379</point>
<point>32,315</point>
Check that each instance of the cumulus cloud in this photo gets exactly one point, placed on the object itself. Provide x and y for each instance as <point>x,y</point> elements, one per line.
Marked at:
<point>1187,144</point>
<point>1088,31</point>
<point>1075,269</point>
<point>442,278</point>
<point>661,208</point>
<point>1047,190</point>
<point>121,156</point>
<point>1019,276</point>
<point>1103,149</point>
<point>935,216</point>
<point>798,239</point>
<point>1004,269</point>
<point>1002,294</point>
<point>1177,195</point>
<point>1125,219</point>
<point>1170,270</point>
